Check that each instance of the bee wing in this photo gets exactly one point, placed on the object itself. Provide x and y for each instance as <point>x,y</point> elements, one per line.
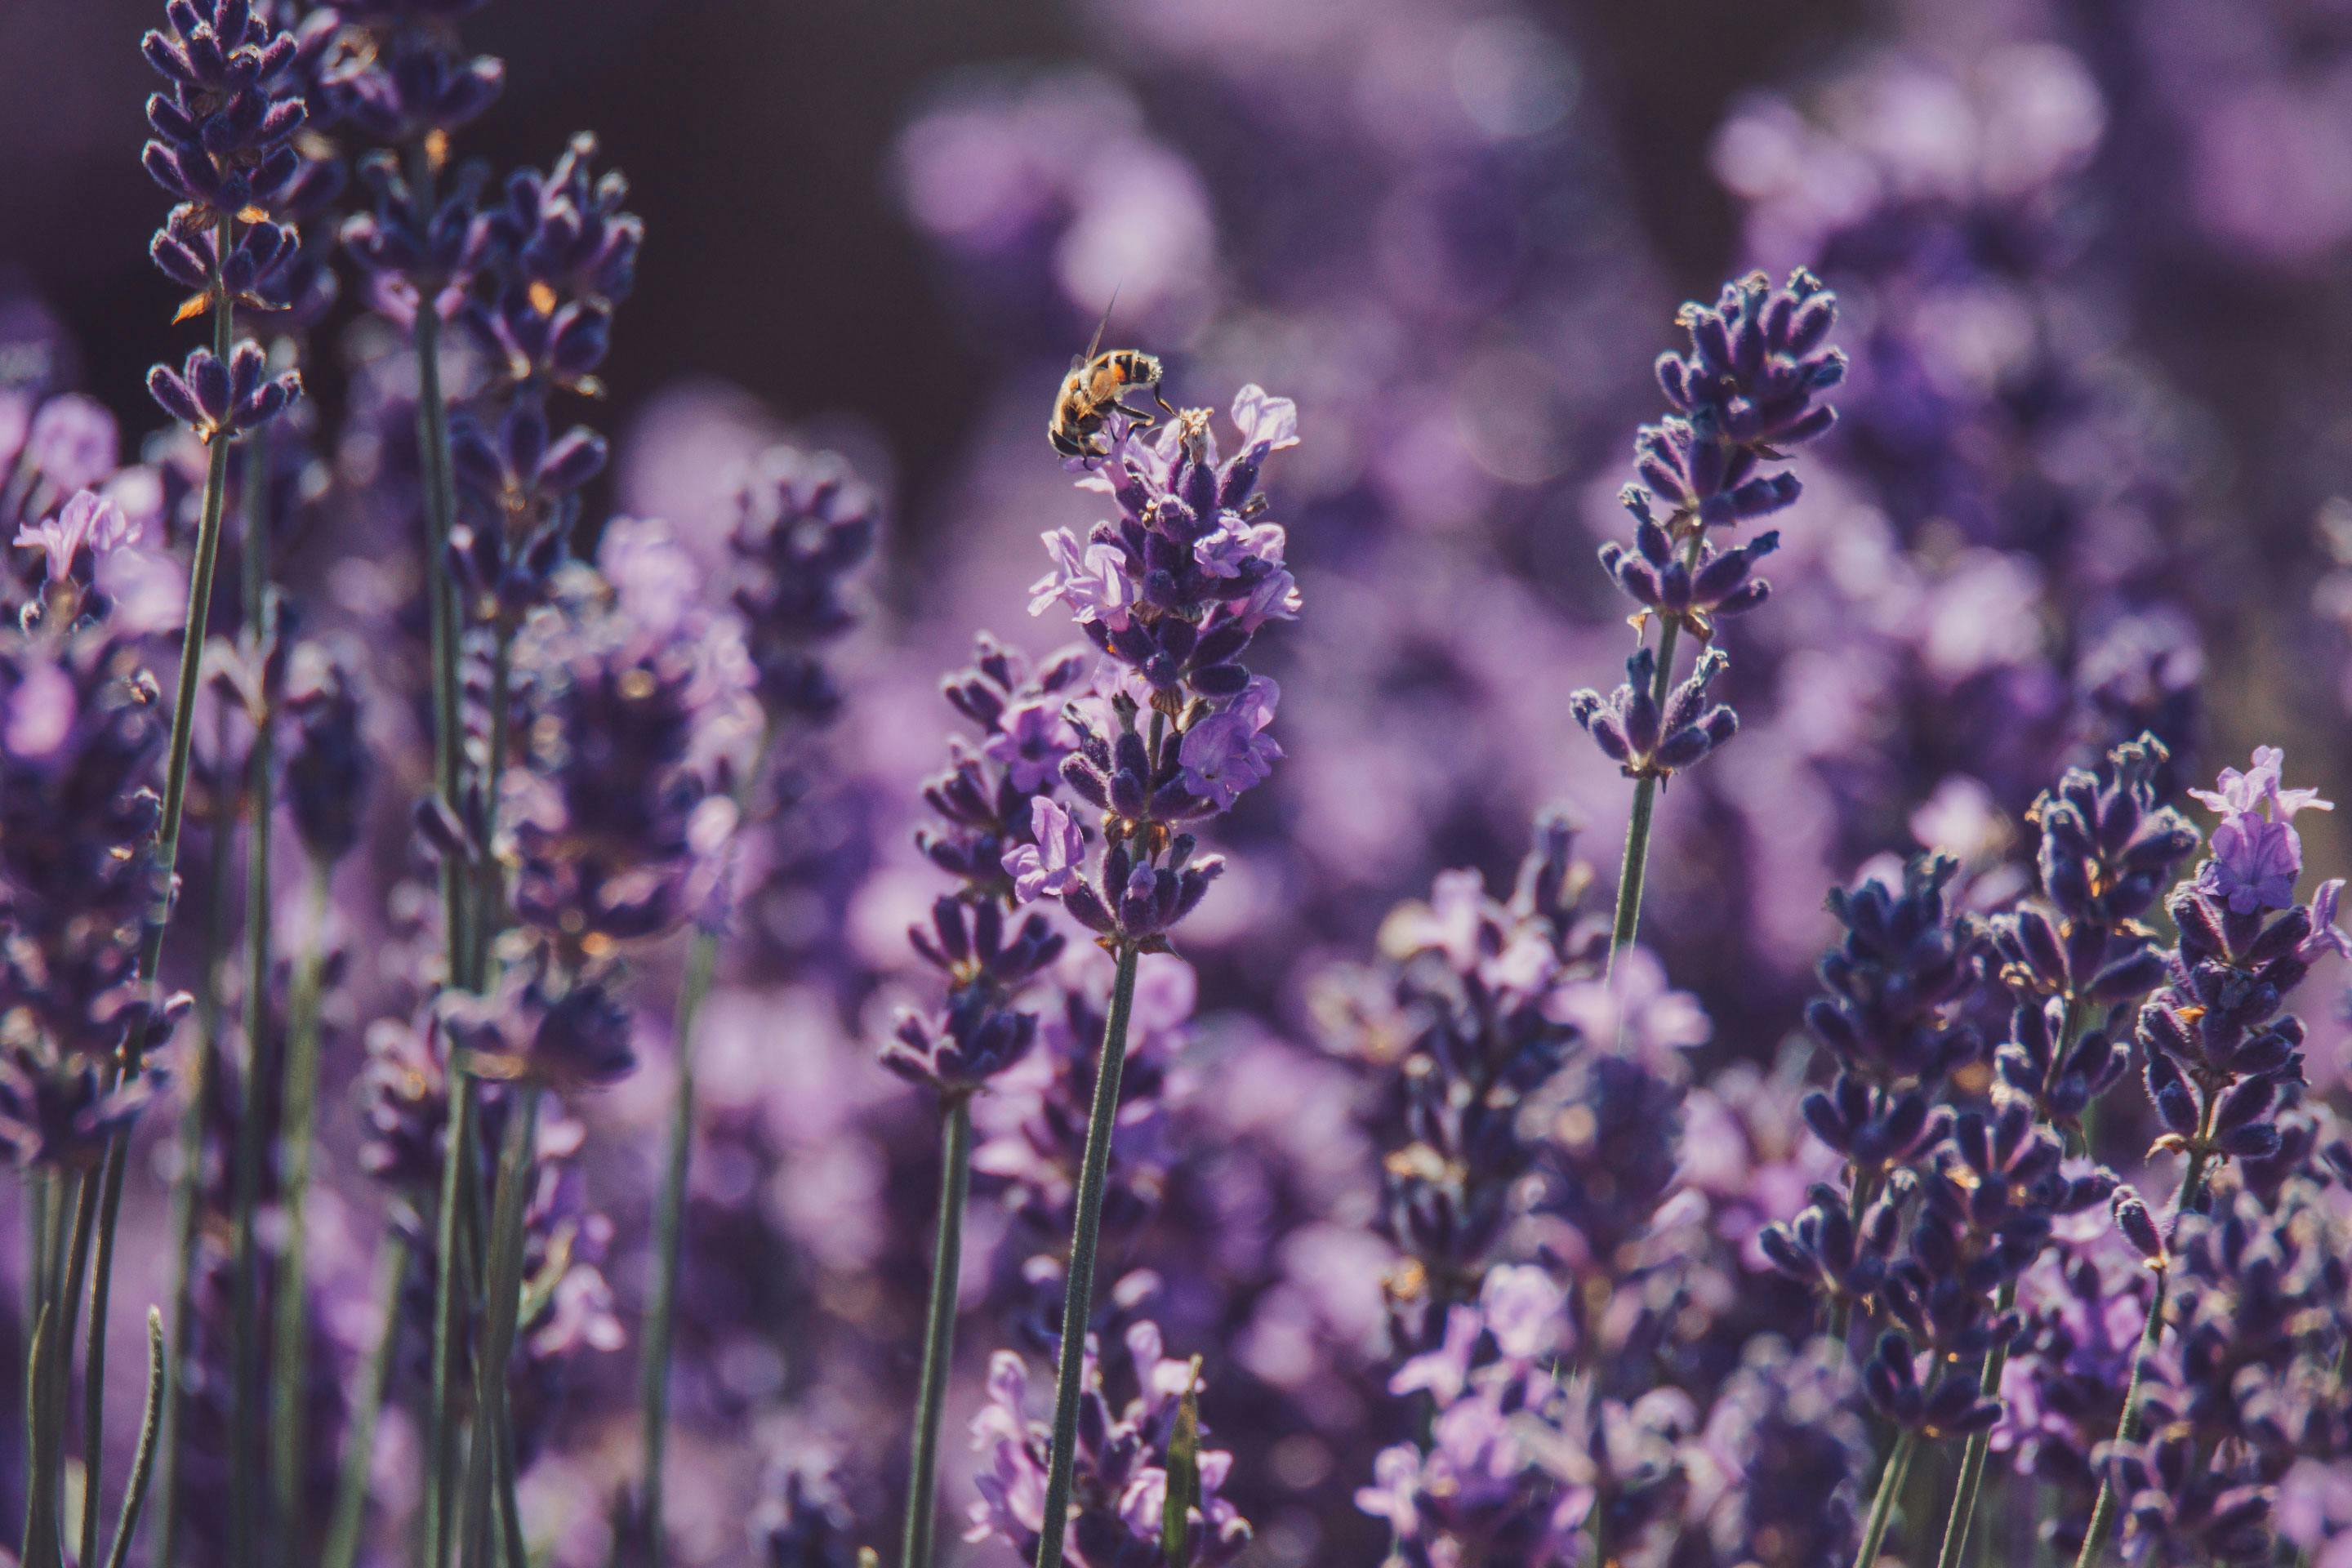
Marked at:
<point>1096,344</point>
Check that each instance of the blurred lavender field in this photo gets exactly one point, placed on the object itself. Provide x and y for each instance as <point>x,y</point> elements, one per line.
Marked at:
<point>1495,1244</point>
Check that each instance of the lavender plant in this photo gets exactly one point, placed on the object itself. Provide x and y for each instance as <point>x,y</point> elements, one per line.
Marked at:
<point>1539,1259</point>
<point>1750,385</point>
<point>1172,591</point>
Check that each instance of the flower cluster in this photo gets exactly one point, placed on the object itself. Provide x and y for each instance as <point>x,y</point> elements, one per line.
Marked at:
<point>222,147</point>
<point>987,801</point>
<point>1172,591</point>
<point>1750,387</point>
<point>1459,1024</point>
<point>1139,1428</point>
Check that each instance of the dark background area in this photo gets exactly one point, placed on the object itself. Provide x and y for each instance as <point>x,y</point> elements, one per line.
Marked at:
<point>756,135</point>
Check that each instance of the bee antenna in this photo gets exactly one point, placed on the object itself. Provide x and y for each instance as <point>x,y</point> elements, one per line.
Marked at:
<point>1105,323</point>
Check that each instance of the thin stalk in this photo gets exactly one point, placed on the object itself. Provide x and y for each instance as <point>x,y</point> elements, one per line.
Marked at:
<point>144,1465</point>
<point>134,1046</point>
<point>40,1373</point>
<point>669,1227</point>
<point>40,1445</point>
<point>187,1189</point>
<point>248,1444</point>
<point>1634,872</point>
<point>1077,1300</point>
<point>938,1330</point>
<point>515,1552</point>
<point>289,1339</point>
<point>40,1197</point>
<point>342,1547</point>
<point>670,1221</point>
<point>502,1294</point>
<point>1881,1507</point>
<point>440,517</point>
<point>2192,1183</point>
<point>449,1307</point>
<point>488,918</point>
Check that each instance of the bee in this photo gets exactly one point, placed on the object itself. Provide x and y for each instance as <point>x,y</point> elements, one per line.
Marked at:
<point>1091,391</point>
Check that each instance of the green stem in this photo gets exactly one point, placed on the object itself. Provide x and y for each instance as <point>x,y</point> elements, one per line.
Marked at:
<point>342,1547</point>
<point>670,1222</point>
<point>2192,1181</point>
<point>248,1444</point>
<point>938,1330</point>
<point>133,1050</point>
<point>1077,1300</point>
<point>440,518</point>
<point>289,1338</point>
<point>669,1226</point>
<point>41,1443</point>
<point>449,1307</point>
<point>1881,1507</point>
<point>1634,872</point>
<point>144,1465</point>
<point>40,1195</point>
<point>501,1297</point>
<point>187,1194</point>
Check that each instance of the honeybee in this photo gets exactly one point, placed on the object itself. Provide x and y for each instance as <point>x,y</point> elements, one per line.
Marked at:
<point>1092,390</point>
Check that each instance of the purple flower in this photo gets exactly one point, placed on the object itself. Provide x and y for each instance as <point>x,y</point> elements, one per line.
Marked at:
<point>2255,863</point>
<point>2260,789</point>
<point>1229,751</point>
<point>88,521</point>
<point>2325,936</point>
<point>1091,579</point>
<point>1052,864</point>
<point>1030,743</point>
<point>2257,853</point>
<point>1130,1396</point>
<point>216,398</point>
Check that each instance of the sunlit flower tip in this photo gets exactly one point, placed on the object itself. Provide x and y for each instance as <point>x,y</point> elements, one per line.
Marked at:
<point>86,522</point>
<point>215,399</point>
<point>1647,741</point>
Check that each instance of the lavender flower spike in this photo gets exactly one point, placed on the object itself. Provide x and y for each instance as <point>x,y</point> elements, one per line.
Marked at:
<point>1749,389</point>
<point>1172,589</point>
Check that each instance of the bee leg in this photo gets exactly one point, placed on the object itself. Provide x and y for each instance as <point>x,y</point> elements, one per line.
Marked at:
<point>1162,401</point>
<point>1141,418</point>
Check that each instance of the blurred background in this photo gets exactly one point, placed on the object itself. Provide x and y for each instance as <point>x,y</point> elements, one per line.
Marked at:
<point>2087,484</point>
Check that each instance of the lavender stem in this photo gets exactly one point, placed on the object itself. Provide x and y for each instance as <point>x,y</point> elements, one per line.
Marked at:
<point>938,1330</point>
<point>1078,1300</point>
<point>669,1214</point>
<point>290,1333</point>
<point>669,1225</point>
<point>133,1047</point>
<point>187,1198</point>
<point>143,1463</point>
<point>2192,1182</point>
<point>1634,872</point>
<point>359,1445</point>
<point>248,1444</point>
<point>1881,1507</point>
<point>440,514</point>
<point>501,1297</point>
